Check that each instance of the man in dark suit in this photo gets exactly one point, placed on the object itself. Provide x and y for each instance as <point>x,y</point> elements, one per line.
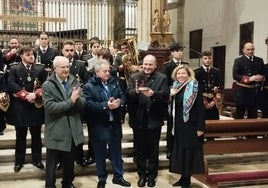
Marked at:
<point>248,72</point>
<point>79,71</point>
<point>80,53</point>
<point>147,96</point>
<point>208,78</point>
<point>45,54</point>
<point>24,82</point>
<point>176,50</point>
<point>104,100</point>
<point>9,56</point>
<point>3,88</point>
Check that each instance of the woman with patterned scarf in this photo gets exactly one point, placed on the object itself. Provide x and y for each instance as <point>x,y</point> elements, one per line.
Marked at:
<point>188,114</point>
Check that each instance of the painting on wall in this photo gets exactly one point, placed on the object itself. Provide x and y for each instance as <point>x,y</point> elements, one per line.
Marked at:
<point>20,14</point>
<point>246,34</point>
<point>195,44</point>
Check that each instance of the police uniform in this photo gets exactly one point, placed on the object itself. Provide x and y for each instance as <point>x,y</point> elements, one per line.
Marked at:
<point>208,79</point>
<point>247,93</point>
<point>23,114</point>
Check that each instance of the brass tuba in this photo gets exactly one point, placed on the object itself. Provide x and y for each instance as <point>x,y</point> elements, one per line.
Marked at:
<point>130,59</point>
<point>38,101</point>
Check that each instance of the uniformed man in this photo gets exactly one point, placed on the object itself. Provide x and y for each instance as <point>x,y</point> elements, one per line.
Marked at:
<point>26,111</point>
<point>248,72</point>
<point>208,78</point>
<point>45,53</point>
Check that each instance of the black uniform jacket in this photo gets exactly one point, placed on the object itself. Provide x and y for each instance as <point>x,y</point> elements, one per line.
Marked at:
<point>22,112</point>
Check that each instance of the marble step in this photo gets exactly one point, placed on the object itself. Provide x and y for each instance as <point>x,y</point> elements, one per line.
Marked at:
<point>31,172</point>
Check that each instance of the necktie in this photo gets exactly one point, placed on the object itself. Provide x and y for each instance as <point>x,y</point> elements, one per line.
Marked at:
<point>108,95</point>
<point>208,76</point>
<point>28,67</point>
<point>43,51</point>
<point>65,86</point>
<point>79,55</point>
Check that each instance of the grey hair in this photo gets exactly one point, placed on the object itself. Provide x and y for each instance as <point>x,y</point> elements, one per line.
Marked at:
<point>59,59</point>
<point>100,64</point>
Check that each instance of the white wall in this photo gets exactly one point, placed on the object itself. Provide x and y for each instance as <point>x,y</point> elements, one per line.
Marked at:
<point>220,21</point>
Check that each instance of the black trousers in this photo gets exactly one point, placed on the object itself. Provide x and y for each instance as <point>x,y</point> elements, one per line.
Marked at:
<point>52,158</point>
<point>90,153</point>
<point>36,145</point>
<point>147,151</point>
<point>241,110</point>
<point>2,121</point>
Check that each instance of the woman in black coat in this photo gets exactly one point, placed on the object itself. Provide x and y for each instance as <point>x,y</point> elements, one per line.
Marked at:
<point>188,114</point>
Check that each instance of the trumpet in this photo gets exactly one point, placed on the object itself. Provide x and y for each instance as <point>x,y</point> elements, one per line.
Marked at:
<point>38,58</point>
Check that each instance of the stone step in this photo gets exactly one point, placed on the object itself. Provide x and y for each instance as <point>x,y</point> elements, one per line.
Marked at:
<point>8,155</point>
<point>31,172</point>
<point>7,158</point>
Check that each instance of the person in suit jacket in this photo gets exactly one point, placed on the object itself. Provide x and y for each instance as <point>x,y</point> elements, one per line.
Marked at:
<point>147,95</point>
<point>79,71</point>
<point>80,53</point>
<point>104,100</point>
<point>209,81</point>
<point>3,88</point>
<point>9,56</point>
<point>188,126</point>
<point>248,72</point>
<point>24,82</point>
<point>63,102</point>
<point>176,50</point>
<point>45,53</point>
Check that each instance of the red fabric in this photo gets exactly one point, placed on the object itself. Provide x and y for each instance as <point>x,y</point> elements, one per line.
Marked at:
<point>21,94</point>
<point>238,176</point>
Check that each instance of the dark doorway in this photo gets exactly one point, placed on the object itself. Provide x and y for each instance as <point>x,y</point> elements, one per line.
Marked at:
<point>219,61</point>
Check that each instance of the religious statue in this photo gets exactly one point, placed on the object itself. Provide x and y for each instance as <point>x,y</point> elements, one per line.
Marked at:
<point>166,21</point>
<point>156,21</point>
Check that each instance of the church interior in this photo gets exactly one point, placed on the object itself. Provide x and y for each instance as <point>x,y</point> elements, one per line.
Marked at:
<point>230,161</point>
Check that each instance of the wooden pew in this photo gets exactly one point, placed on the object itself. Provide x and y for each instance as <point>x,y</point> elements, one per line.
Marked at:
<point>235,136</point>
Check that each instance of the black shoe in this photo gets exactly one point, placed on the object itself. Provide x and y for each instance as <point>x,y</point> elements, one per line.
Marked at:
<point>151,182</point>
<point>18,167</point>
<point>180,182</point>
<point>101,184</point>
<point>121,182</point>
<point>186,182</point>
<point>82,163</point>
<point>142,182</point>
<point>39,165</point>
<point>59,166</point>
<point>68,185</point>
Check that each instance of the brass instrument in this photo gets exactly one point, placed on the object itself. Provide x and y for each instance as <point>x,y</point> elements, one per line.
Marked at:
<point>128,60</point>
<point>38,58</point>
<point>38,101</point>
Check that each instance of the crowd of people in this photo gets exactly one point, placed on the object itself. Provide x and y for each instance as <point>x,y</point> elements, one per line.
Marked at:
<point>64,88</point>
